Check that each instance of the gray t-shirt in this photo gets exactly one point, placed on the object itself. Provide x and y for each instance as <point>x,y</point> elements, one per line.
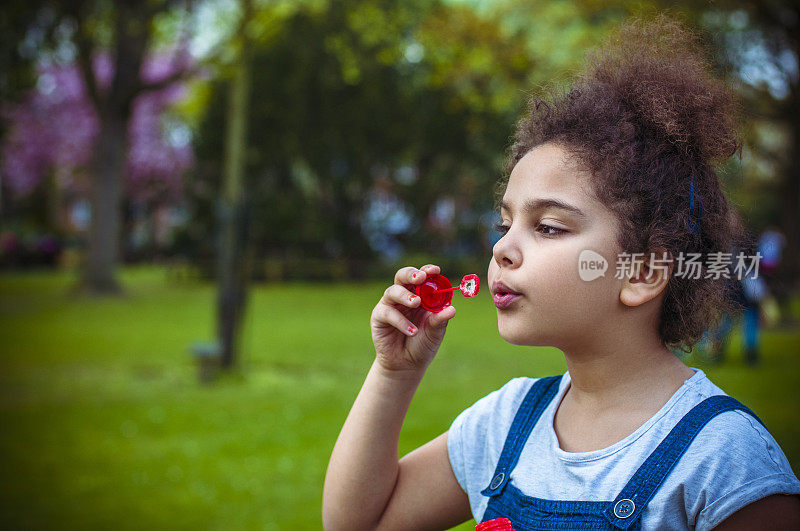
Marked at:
<point>733,461</point>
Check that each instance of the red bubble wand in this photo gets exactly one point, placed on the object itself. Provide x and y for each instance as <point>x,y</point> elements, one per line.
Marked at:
<point>437,291</point>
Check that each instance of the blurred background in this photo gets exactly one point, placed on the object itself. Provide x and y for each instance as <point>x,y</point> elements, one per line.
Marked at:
<point>202,200</point>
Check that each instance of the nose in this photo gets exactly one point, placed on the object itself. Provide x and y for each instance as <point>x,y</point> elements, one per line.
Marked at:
<point>506,252</point>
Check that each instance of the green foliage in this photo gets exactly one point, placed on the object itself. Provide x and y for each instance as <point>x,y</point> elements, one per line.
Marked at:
<point>106,426</point>
<point>349,92</point>
<point>359,89</point>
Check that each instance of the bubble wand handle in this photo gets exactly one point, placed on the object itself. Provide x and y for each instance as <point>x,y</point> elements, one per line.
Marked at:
<point>446,290</point>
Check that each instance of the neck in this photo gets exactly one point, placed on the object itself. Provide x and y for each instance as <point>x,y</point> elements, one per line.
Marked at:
<point>617,371</point>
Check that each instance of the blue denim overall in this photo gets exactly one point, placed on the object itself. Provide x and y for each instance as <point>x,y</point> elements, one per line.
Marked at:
<point>625,511</point>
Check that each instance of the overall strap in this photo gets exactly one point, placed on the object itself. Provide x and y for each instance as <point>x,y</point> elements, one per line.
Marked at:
<point>629,504</point>
<point>536,400</point>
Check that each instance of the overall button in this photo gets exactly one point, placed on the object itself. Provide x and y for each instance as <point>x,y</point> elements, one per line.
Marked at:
<point>498,479</point>
<point>624,508</point>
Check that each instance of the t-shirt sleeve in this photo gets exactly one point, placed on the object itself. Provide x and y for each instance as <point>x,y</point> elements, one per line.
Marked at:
<point>477,434</point>
<point>746,465</point>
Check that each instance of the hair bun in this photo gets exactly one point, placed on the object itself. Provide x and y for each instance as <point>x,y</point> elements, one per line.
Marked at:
<point>657,69</point>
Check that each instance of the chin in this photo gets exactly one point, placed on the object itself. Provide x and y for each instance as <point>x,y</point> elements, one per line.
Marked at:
<point>515,336</point>
<point>524,336</point>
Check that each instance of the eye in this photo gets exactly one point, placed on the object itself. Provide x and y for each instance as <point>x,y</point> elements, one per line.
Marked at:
<point>502,229</point>
<point>549,231</point>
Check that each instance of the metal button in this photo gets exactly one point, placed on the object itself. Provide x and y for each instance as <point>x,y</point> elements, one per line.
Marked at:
<point>624,508</point>
<point>498,479</point>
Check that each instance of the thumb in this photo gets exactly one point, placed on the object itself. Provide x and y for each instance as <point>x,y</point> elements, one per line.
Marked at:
<point>435,327</point>
<point>438,321</point>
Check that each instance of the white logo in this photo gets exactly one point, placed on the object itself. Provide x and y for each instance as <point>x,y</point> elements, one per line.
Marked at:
<point>591,265</point>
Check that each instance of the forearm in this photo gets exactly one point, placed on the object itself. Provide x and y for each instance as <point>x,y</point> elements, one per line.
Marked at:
<point>363,468</point>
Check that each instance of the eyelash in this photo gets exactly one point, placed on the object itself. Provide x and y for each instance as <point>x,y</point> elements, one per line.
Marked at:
<point>502,229</point>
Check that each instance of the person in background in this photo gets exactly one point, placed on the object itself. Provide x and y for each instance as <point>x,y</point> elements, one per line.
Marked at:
<point>747,292</point>
<point>770,246</point>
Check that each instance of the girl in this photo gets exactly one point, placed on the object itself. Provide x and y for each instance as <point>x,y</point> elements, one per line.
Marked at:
<point>629,437</point>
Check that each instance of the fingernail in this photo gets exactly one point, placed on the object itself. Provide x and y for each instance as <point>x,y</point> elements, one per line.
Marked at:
<point>411,298</point>
<point>412,330</point>
<point>414,275</point>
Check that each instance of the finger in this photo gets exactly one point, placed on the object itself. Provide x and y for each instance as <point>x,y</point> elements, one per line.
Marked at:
<point>397,294</point>
<point>409,275</point>
<point>431,269</point>
<point>439,320</point>
<point>392,316</point>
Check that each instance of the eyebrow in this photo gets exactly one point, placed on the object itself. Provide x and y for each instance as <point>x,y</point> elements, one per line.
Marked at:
<point>541,204</point>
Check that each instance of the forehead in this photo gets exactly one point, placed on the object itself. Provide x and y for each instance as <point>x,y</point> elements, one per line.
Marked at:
<point>549,171</point>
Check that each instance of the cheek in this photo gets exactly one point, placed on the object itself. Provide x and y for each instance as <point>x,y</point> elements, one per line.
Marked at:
<point>601,293</point>
<point>598,288</point>
<point>556,267</point>
<point>558,276</point>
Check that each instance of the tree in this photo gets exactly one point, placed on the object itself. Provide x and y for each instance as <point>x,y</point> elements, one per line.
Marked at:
<point>233,230</point>
<point>349,91</point>
<point>129,27</point>
<point>52,132</point>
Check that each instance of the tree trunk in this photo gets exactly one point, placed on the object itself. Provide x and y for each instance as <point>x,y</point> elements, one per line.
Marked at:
<point>232,281</point>
<point>131,33</point>
<point>102,255</point>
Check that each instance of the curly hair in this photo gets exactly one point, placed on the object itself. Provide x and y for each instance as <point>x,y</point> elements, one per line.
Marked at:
<point>648,120</point>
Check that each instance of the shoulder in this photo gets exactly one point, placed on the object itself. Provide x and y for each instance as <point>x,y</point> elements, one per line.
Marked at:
<point>733,436</point>
<point>477,434</point>
<point>495,409</point>
<point>733,462</point>
<point>509,396</point>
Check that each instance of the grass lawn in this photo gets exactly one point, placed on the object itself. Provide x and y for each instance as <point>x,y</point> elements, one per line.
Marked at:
<point>104,423</point>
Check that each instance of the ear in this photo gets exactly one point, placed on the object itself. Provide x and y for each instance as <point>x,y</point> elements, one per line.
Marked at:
<point>646,277</point>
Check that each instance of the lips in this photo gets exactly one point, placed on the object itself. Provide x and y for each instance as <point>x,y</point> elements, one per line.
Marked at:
<point>503,295</point>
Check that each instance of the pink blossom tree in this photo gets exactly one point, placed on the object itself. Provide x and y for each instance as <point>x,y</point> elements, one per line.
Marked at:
<point>103,140</point>
<point>53,131</point>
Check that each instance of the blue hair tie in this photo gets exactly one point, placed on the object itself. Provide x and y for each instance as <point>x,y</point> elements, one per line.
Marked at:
<point>694,226</point>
